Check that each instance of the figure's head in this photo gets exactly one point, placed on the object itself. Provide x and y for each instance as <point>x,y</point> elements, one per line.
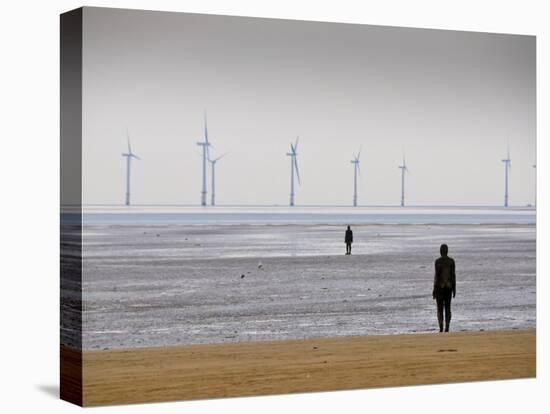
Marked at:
<point>444,249</point>
<point>349,228</point>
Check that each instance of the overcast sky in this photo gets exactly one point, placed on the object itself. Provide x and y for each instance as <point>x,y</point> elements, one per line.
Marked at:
<point>450,101</point>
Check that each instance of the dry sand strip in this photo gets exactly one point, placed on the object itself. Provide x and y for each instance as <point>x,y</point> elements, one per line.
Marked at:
<point>325,364</point>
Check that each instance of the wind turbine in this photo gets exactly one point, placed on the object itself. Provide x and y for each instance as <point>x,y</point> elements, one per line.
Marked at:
<point>129,155</point>
<point>403,168</point>
<point>507,165</point>
<point>356,171</point>
<point>293,168</point>
<point>205,155</point>
<point>213,165</point>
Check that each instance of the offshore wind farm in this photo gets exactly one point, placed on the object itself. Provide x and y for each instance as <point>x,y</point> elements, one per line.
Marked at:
<point>450,116</point>
<point>294,173</point>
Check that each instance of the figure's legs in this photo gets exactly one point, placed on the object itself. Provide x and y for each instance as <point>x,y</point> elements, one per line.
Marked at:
<point>447,311</point>
<point>350,248</point>
<point>439,301</point>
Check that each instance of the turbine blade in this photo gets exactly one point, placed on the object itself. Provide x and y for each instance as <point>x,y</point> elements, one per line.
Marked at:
<point>128,139</point>
<point>135,156</point>
<point>297,170</point>
<point>296,144</point>
<point>221,156</point>
<point>205,127</point>
<point>206,135</point>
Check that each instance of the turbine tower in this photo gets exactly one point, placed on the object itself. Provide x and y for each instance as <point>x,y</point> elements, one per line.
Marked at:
<point>129,155</point>
<point>204,144</point>
<point>404,169</point>
<point>507,165</point>
<point>213,173</point>
<point>356,171</point>
<point>293,168</point>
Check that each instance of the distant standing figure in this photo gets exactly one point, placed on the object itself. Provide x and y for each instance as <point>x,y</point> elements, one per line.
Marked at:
<point>444,286</point>
<point>349,240</point>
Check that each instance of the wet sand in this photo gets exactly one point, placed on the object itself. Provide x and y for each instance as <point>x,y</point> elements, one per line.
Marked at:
<point>277,367</point>
<point>168,285</point>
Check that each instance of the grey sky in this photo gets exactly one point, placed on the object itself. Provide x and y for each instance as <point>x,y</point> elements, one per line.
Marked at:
<point>452,101</point>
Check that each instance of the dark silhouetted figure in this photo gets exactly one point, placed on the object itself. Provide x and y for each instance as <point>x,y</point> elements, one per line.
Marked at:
<point>349,240</point>
<point>444,286</point>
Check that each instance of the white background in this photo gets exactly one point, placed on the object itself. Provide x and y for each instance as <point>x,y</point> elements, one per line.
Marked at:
<point>29,170</point>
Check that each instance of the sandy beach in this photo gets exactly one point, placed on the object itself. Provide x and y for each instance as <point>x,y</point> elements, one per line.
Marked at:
<point>182,310</point>
<point>276,367</point>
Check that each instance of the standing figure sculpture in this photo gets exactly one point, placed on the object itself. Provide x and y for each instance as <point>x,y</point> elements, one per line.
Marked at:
<point>349,240</point>
<point>444,286</point>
